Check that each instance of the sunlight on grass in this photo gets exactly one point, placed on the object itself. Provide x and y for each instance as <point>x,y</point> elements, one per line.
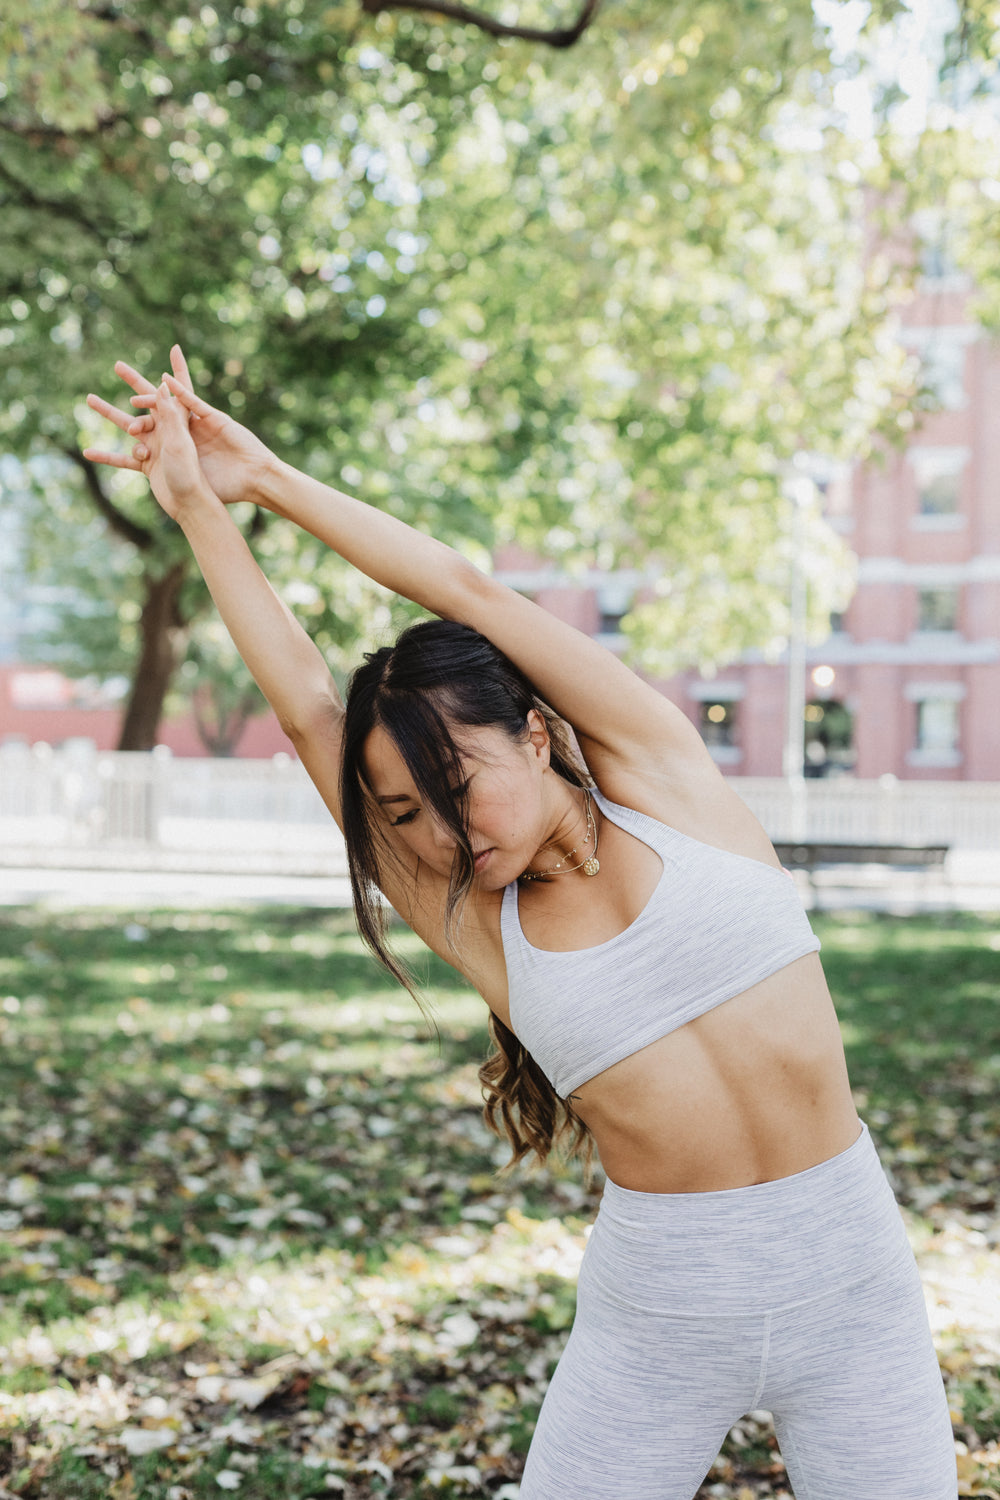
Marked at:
<point>252,1224</point>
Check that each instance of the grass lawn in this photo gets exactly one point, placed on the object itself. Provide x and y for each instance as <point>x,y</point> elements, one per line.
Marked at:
<point>252,1238</point>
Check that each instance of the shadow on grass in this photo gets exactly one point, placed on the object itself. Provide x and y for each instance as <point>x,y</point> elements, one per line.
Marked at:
<point>176,1084</point>
<point>183,1088</point>
<point>919,1006</point>
<point>228,1136</point>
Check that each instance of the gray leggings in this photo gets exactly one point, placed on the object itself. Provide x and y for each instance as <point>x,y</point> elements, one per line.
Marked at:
<point>800,1297</point>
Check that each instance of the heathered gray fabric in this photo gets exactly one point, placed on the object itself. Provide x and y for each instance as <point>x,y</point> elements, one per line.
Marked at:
<point>800,1297</point>
<point>716,924</point>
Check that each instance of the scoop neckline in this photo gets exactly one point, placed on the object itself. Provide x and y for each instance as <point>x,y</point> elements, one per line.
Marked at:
<point>673,833</point>
<point>603,803</point>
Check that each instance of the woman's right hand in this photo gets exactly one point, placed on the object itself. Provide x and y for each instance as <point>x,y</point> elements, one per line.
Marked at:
<point>233,459</point>
<point>170,460</point>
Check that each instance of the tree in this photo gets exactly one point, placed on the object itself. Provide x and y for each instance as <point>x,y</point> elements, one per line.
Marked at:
<point>124,207</point>
<point>952,171</point>
<point>568,296</point>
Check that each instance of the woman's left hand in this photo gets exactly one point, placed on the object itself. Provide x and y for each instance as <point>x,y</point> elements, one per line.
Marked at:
<point>235,462</point>
<point>168,457</point>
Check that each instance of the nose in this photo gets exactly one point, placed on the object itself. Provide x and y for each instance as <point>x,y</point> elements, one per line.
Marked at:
<point>442,836</point>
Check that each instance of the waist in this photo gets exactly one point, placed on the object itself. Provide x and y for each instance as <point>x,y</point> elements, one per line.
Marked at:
<point>708,1154</point>
<point>741,1249</point>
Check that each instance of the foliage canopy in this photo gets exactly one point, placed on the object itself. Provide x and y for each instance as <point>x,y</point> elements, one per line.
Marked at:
<point>595,301</point>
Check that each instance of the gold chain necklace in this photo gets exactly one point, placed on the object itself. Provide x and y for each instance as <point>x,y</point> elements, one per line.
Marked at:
<point>590,866</point>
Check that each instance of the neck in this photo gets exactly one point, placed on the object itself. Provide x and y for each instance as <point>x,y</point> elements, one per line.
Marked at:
<point>573,838</point>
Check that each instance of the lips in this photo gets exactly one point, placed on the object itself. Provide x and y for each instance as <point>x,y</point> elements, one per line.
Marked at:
<point>481,859</point>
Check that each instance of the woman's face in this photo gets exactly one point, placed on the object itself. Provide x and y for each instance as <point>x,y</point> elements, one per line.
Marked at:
<point>506,806</point>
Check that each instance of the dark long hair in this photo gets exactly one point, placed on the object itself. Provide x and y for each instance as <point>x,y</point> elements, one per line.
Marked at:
<point>440,674</point>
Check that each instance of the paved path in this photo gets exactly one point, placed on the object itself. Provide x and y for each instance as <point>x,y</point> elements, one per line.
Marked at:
<point>137,889</point>
<point>971,883</point>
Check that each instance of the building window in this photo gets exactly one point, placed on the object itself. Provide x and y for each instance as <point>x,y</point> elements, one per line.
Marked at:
<point>836,496</point>
<point>718,708</point>
<point>935,238</point>
<point>615,595</point>
<point>944,372</point>
<point>829,738</point>
<point>937,608</point>
<point>941,349</point>
<point>937,725</point>
<point>937,728</point>
<point>718,724</point>
<point>939,495</point>
<point>938,472</point>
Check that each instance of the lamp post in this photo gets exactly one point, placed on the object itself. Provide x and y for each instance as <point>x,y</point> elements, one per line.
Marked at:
<point>800,493</point>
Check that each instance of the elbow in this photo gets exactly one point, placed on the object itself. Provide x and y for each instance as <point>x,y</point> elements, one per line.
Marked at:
<point>472,592</point>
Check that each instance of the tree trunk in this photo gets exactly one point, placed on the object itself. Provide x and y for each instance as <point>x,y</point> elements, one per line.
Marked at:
<point>162,628</point>
<point>219,723</point>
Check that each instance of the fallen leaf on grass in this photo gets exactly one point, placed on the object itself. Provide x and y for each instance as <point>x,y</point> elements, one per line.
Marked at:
<point>138,1441</point>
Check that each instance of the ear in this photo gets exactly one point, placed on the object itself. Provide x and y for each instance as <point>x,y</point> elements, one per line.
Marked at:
<point>538,735</point>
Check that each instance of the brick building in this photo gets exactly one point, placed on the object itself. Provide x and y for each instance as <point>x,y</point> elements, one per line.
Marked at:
<point>908,683</point>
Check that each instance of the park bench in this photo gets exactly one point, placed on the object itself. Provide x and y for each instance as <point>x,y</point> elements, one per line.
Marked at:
<point>810,855</point>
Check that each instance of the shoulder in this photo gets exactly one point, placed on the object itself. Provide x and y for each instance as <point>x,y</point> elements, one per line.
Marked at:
<point>689,794</point>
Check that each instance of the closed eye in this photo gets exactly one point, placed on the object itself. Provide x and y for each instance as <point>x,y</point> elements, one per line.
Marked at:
<point>408,817</point>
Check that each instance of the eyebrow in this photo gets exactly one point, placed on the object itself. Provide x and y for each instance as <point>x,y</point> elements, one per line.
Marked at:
<point>399,797</point>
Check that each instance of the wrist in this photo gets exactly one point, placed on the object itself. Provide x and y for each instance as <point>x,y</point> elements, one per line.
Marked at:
<point>271,484</point>
<point>197,503</point>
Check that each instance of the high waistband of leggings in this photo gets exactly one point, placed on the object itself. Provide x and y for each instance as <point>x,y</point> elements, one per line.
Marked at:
<point>748,1249</point>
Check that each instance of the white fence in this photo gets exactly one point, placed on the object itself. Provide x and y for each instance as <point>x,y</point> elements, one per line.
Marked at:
<point>79,807</point>
<point>962,814</point>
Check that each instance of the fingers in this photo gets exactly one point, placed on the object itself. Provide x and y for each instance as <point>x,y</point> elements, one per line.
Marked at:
<point>116,460</point>
<point>146,395</point>
<point>187,397</point>
<point>172,386</point>
<point>121,419</point>
<point>168,408</point>
<point>133,378</point>
<point>179,366</point>
<point>162,392</point>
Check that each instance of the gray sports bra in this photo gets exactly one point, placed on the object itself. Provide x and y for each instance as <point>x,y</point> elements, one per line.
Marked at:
<point>715,924</point>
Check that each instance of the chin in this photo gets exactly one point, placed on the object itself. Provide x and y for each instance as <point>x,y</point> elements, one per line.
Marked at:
<point>492,876</point>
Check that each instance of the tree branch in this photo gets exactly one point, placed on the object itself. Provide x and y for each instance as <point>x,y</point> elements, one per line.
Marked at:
<point>59,209</point>
<point>33,130</point>
<point>120,524</point>
<point>560,36</point>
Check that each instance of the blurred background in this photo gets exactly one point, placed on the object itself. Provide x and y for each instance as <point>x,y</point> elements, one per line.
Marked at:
<point>682,319</point>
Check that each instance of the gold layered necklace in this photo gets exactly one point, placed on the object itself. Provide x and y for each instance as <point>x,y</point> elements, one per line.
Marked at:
<point>590,864</point>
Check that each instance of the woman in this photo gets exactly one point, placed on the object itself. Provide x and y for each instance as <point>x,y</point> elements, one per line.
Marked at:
<point>653,984</point>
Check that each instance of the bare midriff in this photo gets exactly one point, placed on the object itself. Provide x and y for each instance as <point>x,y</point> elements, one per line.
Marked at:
<point>753,1090</point>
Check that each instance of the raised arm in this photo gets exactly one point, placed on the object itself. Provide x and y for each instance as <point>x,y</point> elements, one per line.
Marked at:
<point>615,714</point>
<point>608,705</point>
<point>287,666</point>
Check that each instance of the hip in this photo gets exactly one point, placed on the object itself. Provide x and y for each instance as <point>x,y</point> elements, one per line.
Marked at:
<point>755,1248</point>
